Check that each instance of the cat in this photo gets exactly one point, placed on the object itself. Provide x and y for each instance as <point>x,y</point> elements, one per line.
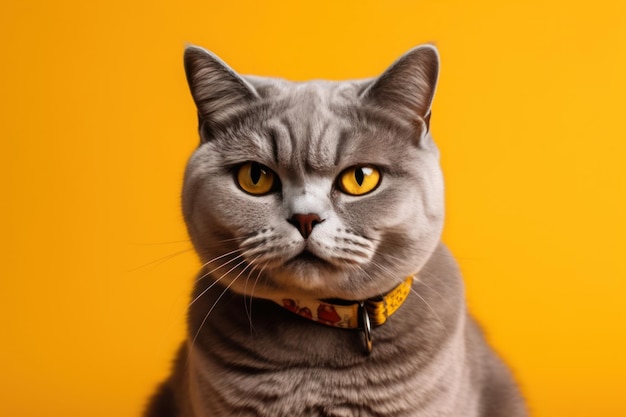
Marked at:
<point>315,206</point>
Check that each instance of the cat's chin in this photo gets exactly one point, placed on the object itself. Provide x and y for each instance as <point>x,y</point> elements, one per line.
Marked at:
<point>309,274</point>
<point>307,267</point>
<point>307,259</point>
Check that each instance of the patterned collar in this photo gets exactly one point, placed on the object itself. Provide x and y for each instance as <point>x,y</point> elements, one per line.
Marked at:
<point>351,314</point>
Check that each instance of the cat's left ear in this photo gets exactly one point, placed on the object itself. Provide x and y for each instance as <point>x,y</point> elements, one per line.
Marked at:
<point>408,86</point>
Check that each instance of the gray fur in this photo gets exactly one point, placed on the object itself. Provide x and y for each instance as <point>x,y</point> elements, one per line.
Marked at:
<point>246,356</point>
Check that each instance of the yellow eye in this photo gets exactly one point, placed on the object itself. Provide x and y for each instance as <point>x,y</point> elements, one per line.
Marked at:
<point>255,178</point>
<point>359,180</point>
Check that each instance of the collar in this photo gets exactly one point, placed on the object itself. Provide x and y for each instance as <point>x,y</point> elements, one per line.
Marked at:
<point>351,314</point>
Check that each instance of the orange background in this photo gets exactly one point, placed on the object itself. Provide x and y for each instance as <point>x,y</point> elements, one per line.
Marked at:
<point>97,124</point>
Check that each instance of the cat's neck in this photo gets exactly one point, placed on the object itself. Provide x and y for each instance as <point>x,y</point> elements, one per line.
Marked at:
<point>422,321</point>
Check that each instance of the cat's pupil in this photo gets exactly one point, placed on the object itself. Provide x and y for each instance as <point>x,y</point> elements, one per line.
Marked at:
<point>255,173</point>
<point>359,176</point>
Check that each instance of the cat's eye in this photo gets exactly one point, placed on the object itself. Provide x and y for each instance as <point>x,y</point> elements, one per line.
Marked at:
<point>255,178</point>
<point>359,180</point>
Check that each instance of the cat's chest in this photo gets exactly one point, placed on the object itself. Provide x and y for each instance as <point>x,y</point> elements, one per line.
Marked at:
<point>245,387</point>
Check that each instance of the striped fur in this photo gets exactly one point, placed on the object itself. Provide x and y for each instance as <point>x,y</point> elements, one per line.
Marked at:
<point>246,356</point>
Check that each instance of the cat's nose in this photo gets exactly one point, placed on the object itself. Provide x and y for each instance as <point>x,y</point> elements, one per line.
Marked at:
<point>305,223</point>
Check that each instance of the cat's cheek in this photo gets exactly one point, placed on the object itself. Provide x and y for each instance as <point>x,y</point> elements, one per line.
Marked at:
<point>240,213</point>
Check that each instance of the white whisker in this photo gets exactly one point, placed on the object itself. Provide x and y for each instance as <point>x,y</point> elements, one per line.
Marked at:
<point>219,279</point>
<point>219,257</point>
<point>245,289</point>
<point>422,282</point>
<point>258,276</point>
<point>221,266</point>
<point>399,280</point>
<point>161,260</point>
<point>218,298</point>
<point>431,309</point>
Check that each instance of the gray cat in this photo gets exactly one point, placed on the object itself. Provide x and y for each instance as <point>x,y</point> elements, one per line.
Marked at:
<point>317,210</point>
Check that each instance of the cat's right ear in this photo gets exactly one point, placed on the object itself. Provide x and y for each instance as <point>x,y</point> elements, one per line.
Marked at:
<point>216,89</point>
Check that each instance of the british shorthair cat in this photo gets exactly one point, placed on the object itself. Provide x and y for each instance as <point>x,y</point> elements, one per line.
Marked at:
<point>316,209</point>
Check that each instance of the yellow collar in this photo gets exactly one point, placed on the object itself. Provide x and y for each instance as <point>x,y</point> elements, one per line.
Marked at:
<point>351,314</point>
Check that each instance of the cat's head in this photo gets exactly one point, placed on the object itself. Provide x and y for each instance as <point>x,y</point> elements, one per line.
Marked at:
<point>323,189</point>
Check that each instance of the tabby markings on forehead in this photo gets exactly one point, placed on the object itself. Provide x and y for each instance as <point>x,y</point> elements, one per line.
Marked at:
<point>312,134</point>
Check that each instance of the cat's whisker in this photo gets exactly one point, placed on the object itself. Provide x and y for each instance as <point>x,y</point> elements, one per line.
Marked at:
<point>229,240</point>
<point>206,317</point>
<point>221,266</point>
<point>245,289</point>
<point>414,291</point>
<point>256,281</point>
<point>382,241</point>
<point>373,279</point>
<point>422,271</point>
<point>211,285</point>
<point>172,242</point>
<point>208,273</point>
<point>421,298</point>
<point>234,239</point>
<point>219,257</point>
<point>217,244</point>
<point>445,300</point>
<point>400,280</point>
<point>385,270</point>
<point>219,279</point>
<point>159,261</point>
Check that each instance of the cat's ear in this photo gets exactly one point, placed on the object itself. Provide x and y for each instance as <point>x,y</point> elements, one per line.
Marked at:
<point>407,87</point>
<point>216,89</point>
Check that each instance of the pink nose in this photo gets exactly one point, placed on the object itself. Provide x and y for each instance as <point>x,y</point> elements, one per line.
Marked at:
<point>305,223</point>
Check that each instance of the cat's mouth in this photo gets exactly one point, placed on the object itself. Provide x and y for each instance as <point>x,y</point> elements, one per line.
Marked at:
<point>308,258</point>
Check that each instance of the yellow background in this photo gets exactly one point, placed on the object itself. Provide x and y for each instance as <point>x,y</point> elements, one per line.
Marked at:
<point>97,123</point>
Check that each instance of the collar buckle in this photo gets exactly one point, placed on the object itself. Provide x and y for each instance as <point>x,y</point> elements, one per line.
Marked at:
<point>367,327</point>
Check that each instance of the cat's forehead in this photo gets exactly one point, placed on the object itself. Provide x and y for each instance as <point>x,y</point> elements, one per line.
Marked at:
<point>306,122</point>
<point>315,127</point>
<point>307,92</point>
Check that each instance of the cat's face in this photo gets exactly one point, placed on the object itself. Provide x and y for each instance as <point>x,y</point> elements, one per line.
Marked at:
<point>323,189</point>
